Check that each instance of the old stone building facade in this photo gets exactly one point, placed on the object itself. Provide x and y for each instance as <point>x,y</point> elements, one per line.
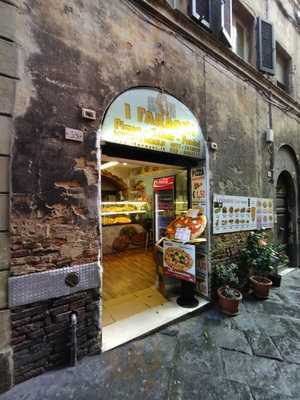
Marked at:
<point>57,57</point>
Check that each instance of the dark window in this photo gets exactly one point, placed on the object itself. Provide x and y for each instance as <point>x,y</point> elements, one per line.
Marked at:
<point>266,52</point>
<point>283,68</point>
<point>200,10</point>
<point>227,17</point>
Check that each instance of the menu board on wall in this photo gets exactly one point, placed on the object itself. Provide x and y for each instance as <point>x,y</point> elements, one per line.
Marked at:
<point>236,213</point>
<point>265,217</point>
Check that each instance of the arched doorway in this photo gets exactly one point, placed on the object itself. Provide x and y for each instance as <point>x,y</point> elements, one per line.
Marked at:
<point>286,215</point>
<point>287,207</point>
<point>153,143</point>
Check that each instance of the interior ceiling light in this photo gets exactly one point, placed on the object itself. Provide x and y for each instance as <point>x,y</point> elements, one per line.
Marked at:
<point>124,163</point>
<point>109,164</point>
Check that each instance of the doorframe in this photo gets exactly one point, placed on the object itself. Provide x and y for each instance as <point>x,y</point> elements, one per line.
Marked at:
<point>286,161</point>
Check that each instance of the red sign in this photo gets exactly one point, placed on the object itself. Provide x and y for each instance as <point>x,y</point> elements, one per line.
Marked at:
<point>165,183</point>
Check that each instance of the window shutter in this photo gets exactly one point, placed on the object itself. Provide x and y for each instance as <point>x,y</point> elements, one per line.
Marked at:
<point>201,11</point>
<point>266,51</point>
<point>226,20</point>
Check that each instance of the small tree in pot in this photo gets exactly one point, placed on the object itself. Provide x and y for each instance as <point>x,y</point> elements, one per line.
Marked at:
<point>226,280</point>
<point>278,259</point>
<point>258,255</point>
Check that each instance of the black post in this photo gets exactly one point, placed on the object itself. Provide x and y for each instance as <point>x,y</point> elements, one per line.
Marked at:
<point>187,297</point>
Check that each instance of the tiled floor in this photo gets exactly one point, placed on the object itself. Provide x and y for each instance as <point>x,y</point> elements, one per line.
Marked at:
<point>125,306</point>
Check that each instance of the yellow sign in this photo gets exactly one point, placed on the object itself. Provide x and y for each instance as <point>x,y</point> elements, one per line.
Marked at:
<point>149,119</point>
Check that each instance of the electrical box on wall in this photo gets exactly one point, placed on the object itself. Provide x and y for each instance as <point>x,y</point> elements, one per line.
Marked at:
<point>88,114</point>
<point>269,136</point>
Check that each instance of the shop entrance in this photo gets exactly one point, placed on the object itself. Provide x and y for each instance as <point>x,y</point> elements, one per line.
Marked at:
<point>154,167</point>
<point>139,199</point>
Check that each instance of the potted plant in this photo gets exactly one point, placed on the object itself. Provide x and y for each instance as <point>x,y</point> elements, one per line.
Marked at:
<point>258,255</point>
<point>226,281</point>
<point>279,259</point>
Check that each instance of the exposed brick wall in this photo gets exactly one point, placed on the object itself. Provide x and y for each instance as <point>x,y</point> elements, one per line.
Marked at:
<point>40,245</point>
<point>41,335</point>
<point>226,247</point>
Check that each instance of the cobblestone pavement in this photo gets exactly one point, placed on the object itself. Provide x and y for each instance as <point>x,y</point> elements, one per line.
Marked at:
<point>254,356</point>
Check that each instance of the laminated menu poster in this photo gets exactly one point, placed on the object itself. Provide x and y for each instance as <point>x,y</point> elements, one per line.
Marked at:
<point>265,217</point>
<point>234,213</point>
<point>179,260</point>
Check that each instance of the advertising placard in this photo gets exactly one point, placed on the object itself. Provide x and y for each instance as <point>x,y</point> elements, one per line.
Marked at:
<point>198,187</point>
<point>265,217</point>
<point>179,260</point>
<point>237,213</point>
<point>149,119</point>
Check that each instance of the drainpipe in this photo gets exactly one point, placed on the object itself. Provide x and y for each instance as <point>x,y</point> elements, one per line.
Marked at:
<point>74,347</point>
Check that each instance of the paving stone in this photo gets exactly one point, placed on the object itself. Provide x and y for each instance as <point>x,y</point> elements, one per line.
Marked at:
<point>254,371</point>
<point>274,325</point>
<point>231,339</point>
<point>261,394</point>
<point>284,310</point>
<point>263,346</point>
<point>246,323</point>
<point>198,354</point>
<point>191,386</point>
<point>291,375</point>
<point>289,349</point>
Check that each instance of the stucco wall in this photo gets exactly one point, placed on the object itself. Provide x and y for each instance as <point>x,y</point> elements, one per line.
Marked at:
<point>85,55</point>
<point>74,54</point>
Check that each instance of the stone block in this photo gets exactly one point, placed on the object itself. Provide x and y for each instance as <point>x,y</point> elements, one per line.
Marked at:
<point>7,92</point>
<point>3,289</point>
<point>5,133</point>
<point>4,212</point>
<point>5,331</point>
<point>4,251</point>
<point>4,168</point>
<point>8,58</point>
<point>8,15</point>
<point>5,371</point>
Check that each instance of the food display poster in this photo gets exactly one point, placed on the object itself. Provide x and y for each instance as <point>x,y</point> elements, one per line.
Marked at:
<point>235,213</point>
<point>198,185</point>
<point>265,217</point>
<point>179,260</point>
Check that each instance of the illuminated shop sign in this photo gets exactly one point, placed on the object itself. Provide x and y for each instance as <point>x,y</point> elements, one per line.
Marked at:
<point>149,119</point>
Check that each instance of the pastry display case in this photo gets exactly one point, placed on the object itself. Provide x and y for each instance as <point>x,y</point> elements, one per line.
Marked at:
<point>123,212</point>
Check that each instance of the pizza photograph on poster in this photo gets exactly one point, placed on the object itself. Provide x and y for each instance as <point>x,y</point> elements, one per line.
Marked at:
<point>179,260</point>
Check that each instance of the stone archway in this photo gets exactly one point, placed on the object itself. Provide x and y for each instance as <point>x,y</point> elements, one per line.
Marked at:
<point>287,202</point>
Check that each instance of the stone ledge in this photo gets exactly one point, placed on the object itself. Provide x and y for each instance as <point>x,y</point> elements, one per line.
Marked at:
<point>8,58</point>
<point>7,93</point>
<point>5,137</point>
<point>7,20</point>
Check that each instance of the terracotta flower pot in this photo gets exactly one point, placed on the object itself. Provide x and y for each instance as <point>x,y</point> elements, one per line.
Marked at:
<point>261,286</point>
<point>227,305</point>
